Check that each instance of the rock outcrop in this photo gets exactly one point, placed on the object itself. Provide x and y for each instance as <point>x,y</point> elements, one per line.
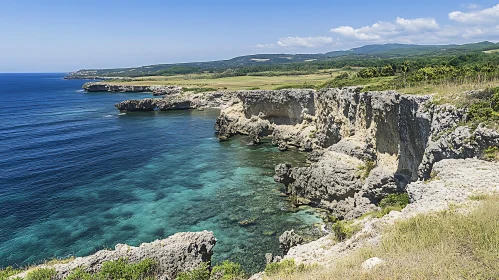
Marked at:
<point>179,102</point>
<point>177,253</point>
<point>156,90</point>
<point>289,239</point>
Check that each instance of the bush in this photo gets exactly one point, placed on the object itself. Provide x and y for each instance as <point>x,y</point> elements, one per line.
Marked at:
<point>199,273</point>
<point>344,230</point>
<point>286,267</point>
<point>491,153</point>
<point>398,200</point>
<point>8,271</point>
<point>227,270</point>
<point>41,274</point>
<point>119,269</point>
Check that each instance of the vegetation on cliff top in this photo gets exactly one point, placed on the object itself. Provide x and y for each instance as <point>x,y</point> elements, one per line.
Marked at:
<point>452,244</point>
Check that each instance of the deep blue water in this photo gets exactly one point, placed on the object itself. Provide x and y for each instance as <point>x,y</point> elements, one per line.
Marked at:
<point>76,176</point>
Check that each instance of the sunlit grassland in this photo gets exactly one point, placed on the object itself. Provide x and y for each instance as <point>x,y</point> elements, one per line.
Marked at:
<point>234,83</point>
<point>453,244</point>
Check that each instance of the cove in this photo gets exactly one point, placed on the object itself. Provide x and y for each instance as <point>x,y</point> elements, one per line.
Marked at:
<point>78,177</point>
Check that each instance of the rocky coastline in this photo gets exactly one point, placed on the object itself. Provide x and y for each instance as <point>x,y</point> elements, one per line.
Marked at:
<point>363,146</point>
<point>180,252</point>
<point>109,87</point>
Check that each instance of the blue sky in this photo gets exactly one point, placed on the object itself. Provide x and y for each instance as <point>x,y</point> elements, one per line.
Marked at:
<point>55,36</point>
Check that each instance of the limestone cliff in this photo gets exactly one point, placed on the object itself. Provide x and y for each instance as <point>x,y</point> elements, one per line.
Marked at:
<point>365,145</point>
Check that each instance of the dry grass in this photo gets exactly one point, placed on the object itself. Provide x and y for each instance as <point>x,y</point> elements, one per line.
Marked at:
<point>449,92</point>
<point>445,245</point>
<point>233,83</point>
<point>491,51</point>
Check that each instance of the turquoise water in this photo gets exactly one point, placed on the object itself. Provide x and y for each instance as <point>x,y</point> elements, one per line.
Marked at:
<point>77,176</point>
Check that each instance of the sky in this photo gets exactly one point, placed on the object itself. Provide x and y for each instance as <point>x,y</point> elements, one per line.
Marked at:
<point>63,36</point>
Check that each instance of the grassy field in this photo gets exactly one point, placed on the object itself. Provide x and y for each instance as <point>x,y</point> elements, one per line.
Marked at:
<point>492,51</point>
<point>448,245</point>
<point>235,83</point>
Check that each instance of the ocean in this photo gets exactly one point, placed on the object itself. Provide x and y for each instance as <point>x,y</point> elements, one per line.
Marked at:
<point>76,176</point>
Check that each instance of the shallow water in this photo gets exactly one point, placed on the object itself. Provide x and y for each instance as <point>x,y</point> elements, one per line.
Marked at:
<point>76,176</point>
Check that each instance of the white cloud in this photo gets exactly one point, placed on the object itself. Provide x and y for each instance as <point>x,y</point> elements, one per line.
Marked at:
<point>472,26</point>
<point>306,42</point>
<point>485,16</point>
<point>386,30</point>
<point>417,25</point>
<point>264,46</point>
<point>473,6</point>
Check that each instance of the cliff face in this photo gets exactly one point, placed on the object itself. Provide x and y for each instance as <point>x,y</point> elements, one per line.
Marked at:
<point>365,145</point>
<point>180,252</point>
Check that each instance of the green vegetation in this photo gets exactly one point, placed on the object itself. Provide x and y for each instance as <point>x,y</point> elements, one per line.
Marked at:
<point>345,229</point>
<point>8,271</point>
<point>366,56</point>
<point>392,202</point>
<point>201,272</point>
<point>452,244</point>
<point>366,168</point>
<point>285,268</point>
<point>41,274</point>
<point>120,269</point>
<point>491,153</point>
<point>485,107</point>
<point>227,270</point>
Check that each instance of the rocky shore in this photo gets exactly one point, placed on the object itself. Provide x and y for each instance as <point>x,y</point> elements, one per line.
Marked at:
<point>364,145</point>
<point>178,253</point>
<point>156,90</point>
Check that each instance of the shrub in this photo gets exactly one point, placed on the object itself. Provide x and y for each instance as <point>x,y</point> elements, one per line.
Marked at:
<point>227,270</point>
<point>286,267</point>
<point>398,200</point>
<point>366,168</point>
<point>344,229</point>
<point>8,271</point>
<point>119,269</point>
<point>199,273</point>
<point>491,153</point>
<point>41,274</point>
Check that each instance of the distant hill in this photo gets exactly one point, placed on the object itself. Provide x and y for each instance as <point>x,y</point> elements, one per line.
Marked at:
<point>381,51</point>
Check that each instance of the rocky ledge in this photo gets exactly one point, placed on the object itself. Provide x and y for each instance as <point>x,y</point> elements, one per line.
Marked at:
<point>178,253</point>
<point>457,180</point>
<point>156,90</point>
<point>180,101</point>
